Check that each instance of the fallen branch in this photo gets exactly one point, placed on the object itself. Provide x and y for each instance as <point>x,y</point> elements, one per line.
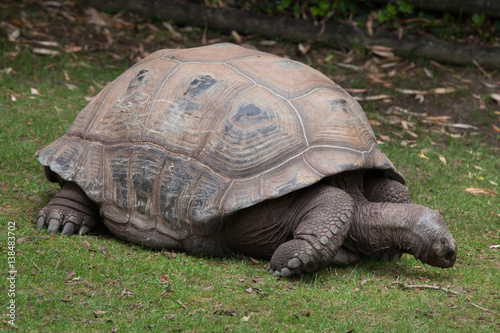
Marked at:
<point>339,36</point>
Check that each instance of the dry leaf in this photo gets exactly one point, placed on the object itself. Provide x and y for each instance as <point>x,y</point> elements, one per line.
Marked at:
<point>446,90</point>
<point>495,128</point>
<point>422,155</point>
<point>442,159</point>
<point>369,27</point>
<point>255,261</point>
<point>412,92</point>
<point>86,244</point>
<point>99,313</point>
<point>375,123</point>
<point>46,43</point>
<point>34,91</point>
<point>384,138</point>
<point>164,278</point>
<point>495,97</point>
<point>43,51</point>
<point>428,73</point>
<point>377,97</point>
<point>349,66</point>
<point>409,143</point>
<point>494,246</point>
<point>236,36</point>
<point>304,48</point>
<point>125,293</point>
<point>488,85</point>
<point>246,318</point>
<point>175,35</point>
<point>356,90</point>
<point>96,17</point>
<point>268,42</point>
<point>480,191</point>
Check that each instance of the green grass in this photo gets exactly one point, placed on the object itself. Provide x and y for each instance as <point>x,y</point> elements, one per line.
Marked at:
<point>99,283</point>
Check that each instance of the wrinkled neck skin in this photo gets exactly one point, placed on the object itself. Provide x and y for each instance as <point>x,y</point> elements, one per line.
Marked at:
<point>381,228</point>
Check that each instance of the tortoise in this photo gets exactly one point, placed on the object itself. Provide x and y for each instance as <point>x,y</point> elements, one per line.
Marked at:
<point>219,150</point>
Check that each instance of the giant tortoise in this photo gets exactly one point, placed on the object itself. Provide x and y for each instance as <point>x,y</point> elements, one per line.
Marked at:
<point>221,149</point>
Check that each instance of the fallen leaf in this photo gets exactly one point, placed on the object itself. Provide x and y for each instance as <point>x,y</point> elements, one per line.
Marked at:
<point>43,51</point>
<point>164,278</point>
<point>125,293</point>
<point>375,123</point>
<point>349,66</point>
<point>495,247</point>
<point>384,138</point>
<point>446,90</point>
<point>495,97</point>
<point>422,155</point>
<point>268,42</point>
<point>46,43</point>
<point>428,73</point>
<point>304,48</point>
<point>377,97</point>
<point>175,35</point>
<point>424,279</point>
<point>442,159</point>
<point>382,51</point>
<point>34,91</point>
<point>99,313</point>
<point>495,128</point>
<point>480,191</point>
<point>236,36</point>
<point>86,244</point>
<point>255,261</point>
<point>246,318</point>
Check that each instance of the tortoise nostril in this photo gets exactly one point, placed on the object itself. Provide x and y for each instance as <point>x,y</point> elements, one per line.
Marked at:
<point>450,254</point>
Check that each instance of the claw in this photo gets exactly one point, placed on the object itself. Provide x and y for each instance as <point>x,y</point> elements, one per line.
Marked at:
<point>40,222</point>
<point>83,230</point>
<point>69,229</point>
<point>53,226</point>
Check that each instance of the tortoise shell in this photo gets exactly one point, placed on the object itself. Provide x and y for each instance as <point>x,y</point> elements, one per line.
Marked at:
<point>186,137</point>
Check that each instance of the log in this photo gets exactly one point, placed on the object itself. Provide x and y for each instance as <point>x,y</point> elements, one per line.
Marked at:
<point>489,8</point>
<point>192,14</point>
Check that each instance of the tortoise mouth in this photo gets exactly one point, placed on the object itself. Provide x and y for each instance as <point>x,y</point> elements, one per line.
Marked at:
<point>442,254</point>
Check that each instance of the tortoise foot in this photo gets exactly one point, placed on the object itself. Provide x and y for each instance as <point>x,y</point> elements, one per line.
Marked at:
<point>294,257</point>
<point>323,226</point>
<point>70,211</point>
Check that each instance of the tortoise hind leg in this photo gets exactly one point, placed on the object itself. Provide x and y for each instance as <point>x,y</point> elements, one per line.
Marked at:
<point>324,223</point>
<point>70,211</point>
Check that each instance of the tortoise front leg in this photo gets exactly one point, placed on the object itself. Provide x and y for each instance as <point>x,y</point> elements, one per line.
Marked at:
<point>377,189</point>
<point>324,222</point>
<point>70,211</point>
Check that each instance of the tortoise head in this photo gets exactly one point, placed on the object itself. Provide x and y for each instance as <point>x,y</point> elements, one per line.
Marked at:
<point>437,246</point>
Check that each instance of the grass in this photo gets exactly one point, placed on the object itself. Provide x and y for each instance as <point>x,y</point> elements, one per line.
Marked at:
<point>99,283</point>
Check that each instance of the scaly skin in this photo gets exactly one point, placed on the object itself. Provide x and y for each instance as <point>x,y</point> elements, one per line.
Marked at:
<point>70,211</point>
<point>303,231</point>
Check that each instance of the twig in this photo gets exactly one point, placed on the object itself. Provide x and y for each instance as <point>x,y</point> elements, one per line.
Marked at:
<point>35,265</point>
<point>481,69</point>
<point>424,286</point>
